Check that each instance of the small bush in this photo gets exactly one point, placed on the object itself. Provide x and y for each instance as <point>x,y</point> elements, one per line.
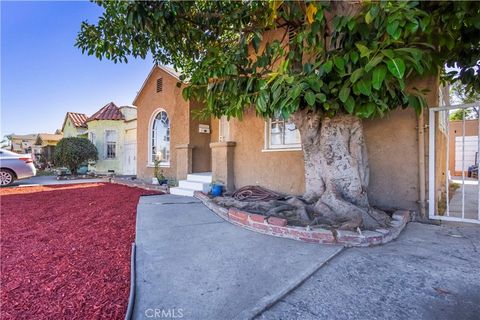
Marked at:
<point>72,152</point>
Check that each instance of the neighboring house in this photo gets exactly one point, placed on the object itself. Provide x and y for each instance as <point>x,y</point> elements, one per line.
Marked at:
<point>46,143</point>
<point>74,125</point>
<point>167,130</point>
<point>458,144</point>
<point>23,143</point>
<point>113,130</point>
<point>267,153</point>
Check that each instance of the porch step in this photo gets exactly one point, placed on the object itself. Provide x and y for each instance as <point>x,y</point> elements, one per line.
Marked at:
<point>200,177</point>
<point>194,185</point>
<point>182,191</point>
<point>195,182</point>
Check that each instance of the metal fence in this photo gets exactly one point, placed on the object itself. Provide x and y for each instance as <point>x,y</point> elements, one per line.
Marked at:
<point>457,198</point>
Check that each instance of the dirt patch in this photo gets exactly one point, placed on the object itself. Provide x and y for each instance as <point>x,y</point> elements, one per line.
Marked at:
<point>65,250</point>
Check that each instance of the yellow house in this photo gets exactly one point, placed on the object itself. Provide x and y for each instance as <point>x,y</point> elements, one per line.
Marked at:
<point>47,142</point>
<point>113,130</point>
<point>74,125</point>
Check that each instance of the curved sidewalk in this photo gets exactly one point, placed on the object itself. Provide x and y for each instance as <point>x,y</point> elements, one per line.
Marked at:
<point>191,264</point>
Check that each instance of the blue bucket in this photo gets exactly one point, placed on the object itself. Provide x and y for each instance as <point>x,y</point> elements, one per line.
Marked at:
<point>217,190</point>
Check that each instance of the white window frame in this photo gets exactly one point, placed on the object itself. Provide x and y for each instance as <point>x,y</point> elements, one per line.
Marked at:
<point>165,164</point>
<point>105,144</point>
<point>268,147</point>
<point>92,137</point>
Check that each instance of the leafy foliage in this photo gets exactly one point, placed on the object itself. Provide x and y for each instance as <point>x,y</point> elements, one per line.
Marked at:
<point>468,114</point>
<point>284,56</point>
<point>459,94</point>
<point>74,151</point>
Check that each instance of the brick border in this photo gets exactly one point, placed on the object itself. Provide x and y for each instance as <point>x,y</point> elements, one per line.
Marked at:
<point>138,184</point>
<point>278,227</point>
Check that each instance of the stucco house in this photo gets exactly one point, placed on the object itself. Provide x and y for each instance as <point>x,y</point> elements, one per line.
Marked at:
<point>269,153</point>
<point>47,143</point>
<point>113,130</point>
<point>23,143</point>
<point>74,125</point>
<point>168,131</point>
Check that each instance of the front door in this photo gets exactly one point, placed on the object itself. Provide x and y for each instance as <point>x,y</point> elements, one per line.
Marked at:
<point>130,160</point>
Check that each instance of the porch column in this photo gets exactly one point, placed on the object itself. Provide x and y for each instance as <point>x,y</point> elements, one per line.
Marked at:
<point>184,160</point>
<point>222,163</point>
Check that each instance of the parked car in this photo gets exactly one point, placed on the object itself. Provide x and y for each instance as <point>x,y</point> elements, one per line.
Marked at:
<point>473,171</point>
<point>14,166</point>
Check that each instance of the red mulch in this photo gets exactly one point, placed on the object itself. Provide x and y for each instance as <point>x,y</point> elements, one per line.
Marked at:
<point>65,250</point>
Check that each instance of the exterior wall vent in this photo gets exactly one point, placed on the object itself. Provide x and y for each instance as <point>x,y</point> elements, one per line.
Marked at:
<point>159,84</point>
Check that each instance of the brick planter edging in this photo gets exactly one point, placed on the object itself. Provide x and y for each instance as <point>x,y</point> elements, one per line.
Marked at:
<point>138,184</point>
<point>278,227</point>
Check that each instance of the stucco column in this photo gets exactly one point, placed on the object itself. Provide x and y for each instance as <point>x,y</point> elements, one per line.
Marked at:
<point>184,160</point>
<point>222,163</point>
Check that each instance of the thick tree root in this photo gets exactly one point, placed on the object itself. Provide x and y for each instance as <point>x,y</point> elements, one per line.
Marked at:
<point>329,211</point>
<point>291,208</point>
<point>348,216</point>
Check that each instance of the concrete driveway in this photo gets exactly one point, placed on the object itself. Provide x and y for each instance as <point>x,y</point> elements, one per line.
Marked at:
<point>193,265</point>
<point>429,272</point>
<point>49,180</point>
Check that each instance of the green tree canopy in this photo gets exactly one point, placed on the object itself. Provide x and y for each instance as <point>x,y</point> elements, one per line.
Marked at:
<point>354,62</point>
<point>74,151</point>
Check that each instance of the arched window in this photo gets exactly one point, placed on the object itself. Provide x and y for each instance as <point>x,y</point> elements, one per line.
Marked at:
<point>160,138</point>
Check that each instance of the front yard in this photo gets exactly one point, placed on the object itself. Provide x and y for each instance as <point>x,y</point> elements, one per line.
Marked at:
<point>65,250</point>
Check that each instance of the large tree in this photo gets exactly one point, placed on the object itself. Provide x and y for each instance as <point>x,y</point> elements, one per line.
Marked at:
<point>330,65</point>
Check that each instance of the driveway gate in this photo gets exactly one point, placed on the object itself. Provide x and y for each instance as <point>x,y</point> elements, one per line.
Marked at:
<point>454,192</point>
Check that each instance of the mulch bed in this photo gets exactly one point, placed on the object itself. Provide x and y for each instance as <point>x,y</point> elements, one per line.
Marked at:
<point>65,250</point>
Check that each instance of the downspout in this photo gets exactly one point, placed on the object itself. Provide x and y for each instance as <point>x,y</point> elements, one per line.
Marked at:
<point>421,164</point>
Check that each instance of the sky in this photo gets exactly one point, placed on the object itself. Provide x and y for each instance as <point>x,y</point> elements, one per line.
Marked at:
<point>43,76</point>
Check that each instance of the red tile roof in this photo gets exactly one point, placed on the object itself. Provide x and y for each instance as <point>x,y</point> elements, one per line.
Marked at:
<point>108,112</point>
<point>78,119</point>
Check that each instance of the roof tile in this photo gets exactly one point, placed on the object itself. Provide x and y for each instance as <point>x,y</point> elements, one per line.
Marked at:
<point>79,120</point>
<point>108,112</point>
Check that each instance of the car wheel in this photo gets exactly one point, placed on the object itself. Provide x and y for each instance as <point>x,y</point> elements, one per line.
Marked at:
<point>6,177</point>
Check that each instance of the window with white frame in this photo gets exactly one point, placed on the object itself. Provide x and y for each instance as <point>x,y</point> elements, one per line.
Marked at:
<point>110,144</point>
<point>282,134</point>
<point>160,138</point>
<point>91,137</point>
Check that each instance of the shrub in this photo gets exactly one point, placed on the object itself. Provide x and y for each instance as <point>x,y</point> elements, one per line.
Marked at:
<point>74,151</point>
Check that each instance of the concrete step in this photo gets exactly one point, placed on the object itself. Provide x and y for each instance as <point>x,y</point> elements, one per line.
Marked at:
<point>200,177</point>
<point>194,185</point>
<point>182,191</point>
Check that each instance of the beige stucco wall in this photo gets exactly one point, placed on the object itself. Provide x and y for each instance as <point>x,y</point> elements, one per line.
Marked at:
<point>279,170</point>
<point>392,148</point>
<point>70,130</point>
<point>391,144</point>
<point>98,127</point>
<point>147,103</point>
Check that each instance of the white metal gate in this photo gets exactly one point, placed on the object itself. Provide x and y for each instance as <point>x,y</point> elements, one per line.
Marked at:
<point>456,195</point>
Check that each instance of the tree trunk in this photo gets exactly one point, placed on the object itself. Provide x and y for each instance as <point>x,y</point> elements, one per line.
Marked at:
<point>336,170</point>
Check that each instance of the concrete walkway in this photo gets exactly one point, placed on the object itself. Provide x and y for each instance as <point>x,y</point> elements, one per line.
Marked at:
<point>191,264</point>
<point>50,180</point>
<point>471,200</point>
<point>429,272</point>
